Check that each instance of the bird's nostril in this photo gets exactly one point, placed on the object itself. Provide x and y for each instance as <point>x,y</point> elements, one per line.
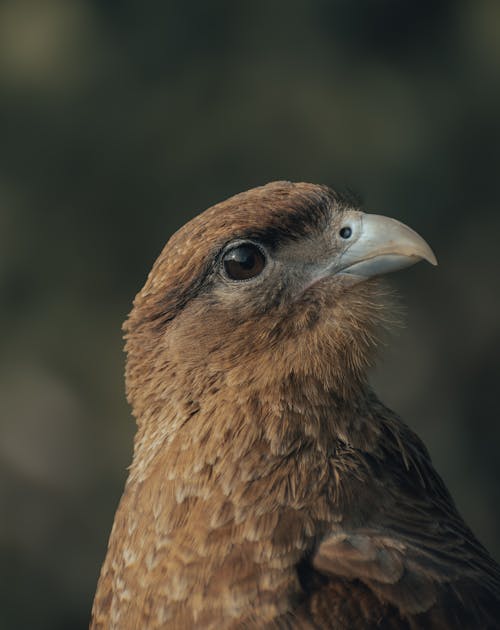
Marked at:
<point>345,232</point>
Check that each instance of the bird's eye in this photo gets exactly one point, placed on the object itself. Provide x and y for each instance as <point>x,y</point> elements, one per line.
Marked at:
<point>243,262</point>
<point>345,232</point>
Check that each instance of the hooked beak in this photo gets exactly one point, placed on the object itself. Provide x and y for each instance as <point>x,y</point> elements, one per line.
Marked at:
<point>379,245</point>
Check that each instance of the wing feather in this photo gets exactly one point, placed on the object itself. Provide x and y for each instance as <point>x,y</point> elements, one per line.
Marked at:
<point>412,548</point>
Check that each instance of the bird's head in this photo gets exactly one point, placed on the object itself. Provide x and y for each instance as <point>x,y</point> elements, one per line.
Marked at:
<point>275,282</point>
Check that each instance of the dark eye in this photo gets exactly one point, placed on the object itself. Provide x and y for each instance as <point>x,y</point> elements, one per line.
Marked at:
<point>345,232</point>
<point>243,262</point>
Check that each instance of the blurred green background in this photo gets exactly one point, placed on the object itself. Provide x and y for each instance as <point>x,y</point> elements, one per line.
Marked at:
<point>121,120</point>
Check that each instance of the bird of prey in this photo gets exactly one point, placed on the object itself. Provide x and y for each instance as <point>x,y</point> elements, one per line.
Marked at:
<point>270,488</point>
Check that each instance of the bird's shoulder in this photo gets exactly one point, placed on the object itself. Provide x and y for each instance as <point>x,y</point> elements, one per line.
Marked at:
<point>405,541</point>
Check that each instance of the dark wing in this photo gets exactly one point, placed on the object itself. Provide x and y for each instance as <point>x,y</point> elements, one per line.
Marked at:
<point>413,551</point>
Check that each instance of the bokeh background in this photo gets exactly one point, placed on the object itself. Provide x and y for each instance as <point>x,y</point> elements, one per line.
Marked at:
<point>121,120</point>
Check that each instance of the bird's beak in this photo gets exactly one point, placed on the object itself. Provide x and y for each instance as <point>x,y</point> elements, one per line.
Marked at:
<point>379,245</point>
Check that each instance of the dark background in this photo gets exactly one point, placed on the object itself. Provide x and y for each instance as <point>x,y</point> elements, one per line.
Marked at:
<point>121,120</point>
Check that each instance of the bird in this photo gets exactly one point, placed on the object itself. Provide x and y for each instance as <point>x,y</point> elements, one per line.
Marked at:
<point>270,487</point>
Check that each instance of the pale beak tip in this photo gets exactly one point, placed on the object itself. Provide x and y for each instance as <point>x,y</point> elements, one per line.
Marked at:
<point>431,258</point>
